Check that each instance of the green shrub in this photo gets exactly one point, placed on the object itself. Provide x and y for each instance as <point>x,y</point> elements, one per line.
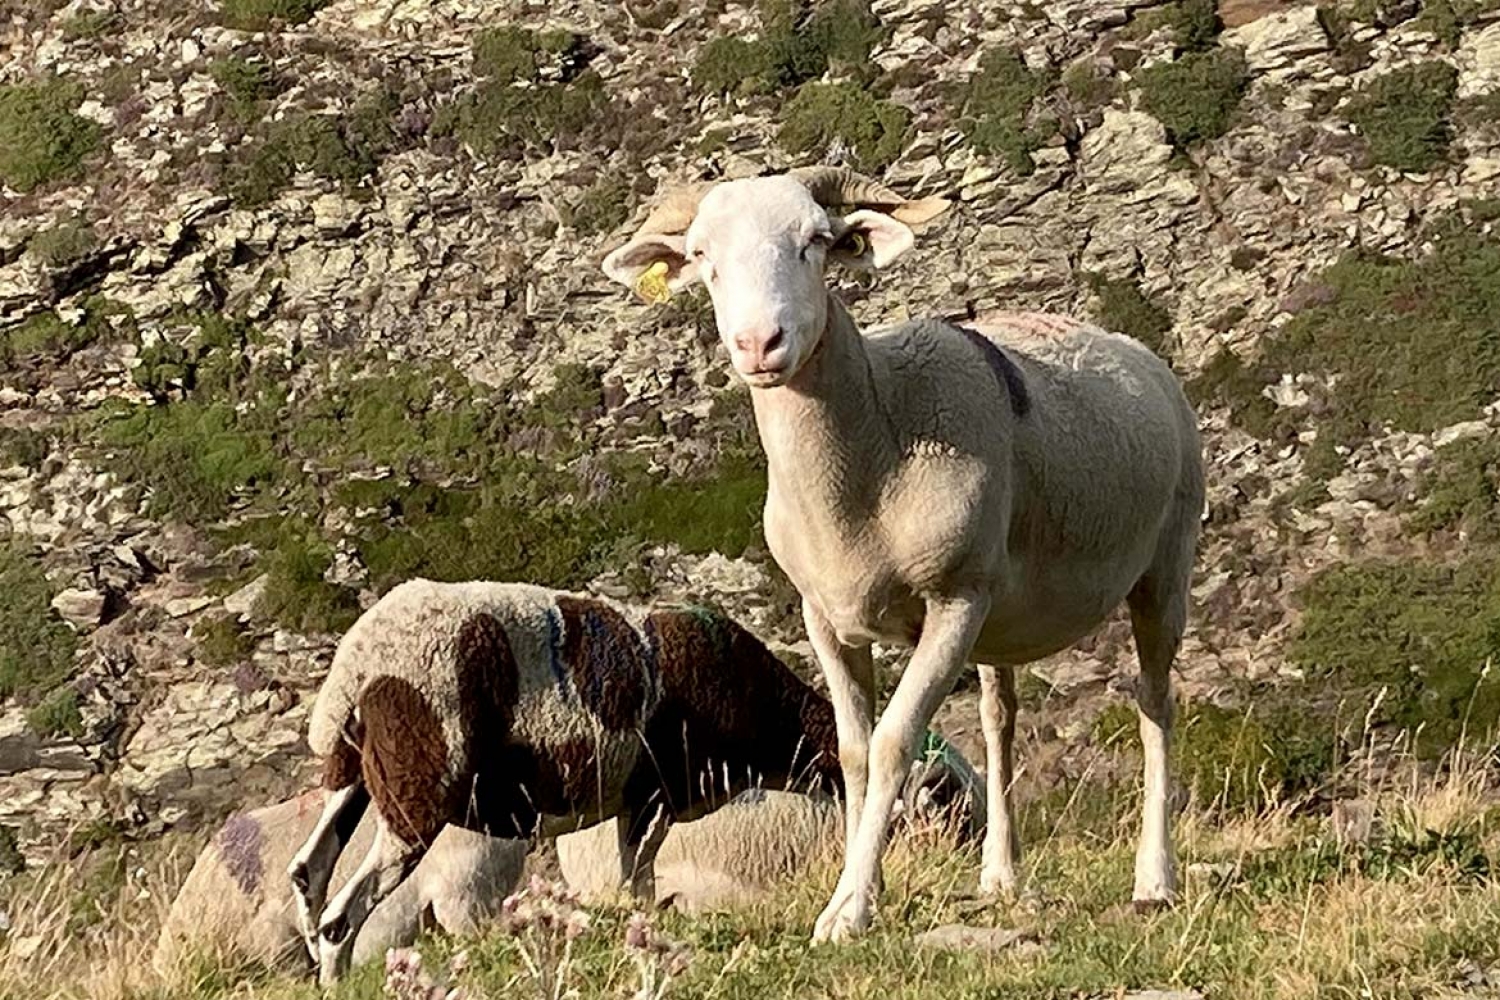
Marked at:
<point>499,118</point>
<point>602,207</point>
<point>36,646</point>
<point>57,715</point>
<point>1088,86</point>
<point>994,109</point>
<point>1461,491</point>
<point>822,113</point>
<point>64,244</point>
<point>1424,632</point>
<point>795,47</point>
<point>1124,308</point>
<point>262,15</point>
<point>1350,53</point>
<point>221,641</point>
<point>1391,856</point>
<point>90,24</point>
<point>44,139</point>
<point>23,446</point>
<point>509,53</point>
<point>345,148</point>
<point>1196,24</point>
<point>1195,97</point>
<point>1404,116</point>
<point>248,83</point>
<point>12,860</point>
<point>1412,344</point>
<point>297,595</point>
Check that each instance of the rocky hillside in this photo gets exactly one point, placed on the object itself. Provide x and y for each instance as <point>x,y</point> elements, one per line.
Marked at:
<point>299,298</point>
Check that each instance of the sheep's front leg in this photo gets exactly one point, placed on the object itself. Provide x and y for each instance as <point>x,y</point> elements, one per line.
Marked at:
<point>850,674</point>
<point>997,716</point>
<point>387,865</point>
<point>311,868</point>
<point>948,634</point>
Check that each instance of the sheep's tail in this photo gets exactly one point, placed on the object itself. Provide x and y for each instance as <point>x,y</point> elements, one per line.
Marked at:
<point>331,722</point>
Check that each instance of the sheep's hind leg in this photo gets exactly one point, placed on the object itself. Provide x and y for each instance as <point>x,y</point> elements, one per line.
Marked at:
<point>311,868</point>
<point>640,836</point>
<point>948,636</point>
<point>389,862</point>
<point>1158,615</point>
<point>997,716</point>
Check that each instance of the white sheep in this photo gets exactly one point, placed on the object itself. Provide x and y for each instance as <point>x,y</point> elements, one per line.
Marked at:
<point>237,903</point>
<point>988,491</point>
<point>520,711</point>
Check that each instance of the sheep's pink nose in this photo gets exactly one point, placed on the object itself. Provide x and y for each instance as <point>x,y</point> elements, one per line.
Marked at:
<point>763,350</point>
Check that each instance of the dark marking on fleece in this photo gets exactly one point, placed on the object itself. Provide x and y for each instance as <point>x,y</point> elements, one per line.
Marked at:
<point>732,716</point>
<point>516,784</point>
<point>240,843</point>
<point>405,759</point>
<point>1005,370</point>
<point>606,661</point>
<point>488,679</point>
<point>341,768</point>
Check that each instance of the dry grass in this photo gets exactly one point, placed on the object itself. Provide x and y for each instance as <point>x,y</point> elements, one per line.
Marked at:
<point>1274,905</point>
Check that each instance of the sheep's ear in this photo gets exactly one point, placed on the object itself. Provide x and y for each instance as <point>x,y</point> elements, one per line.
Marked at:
<point>655,266</point>
<point>870,240</point>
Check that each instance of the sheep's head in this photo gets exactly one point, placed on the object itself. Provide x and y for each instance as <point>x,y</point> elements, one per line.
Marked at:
<point>761,247</point>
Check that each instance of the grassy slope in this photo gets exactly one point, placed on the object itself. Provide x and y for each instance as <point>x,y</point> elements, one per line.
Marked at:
<point>1273,906</point>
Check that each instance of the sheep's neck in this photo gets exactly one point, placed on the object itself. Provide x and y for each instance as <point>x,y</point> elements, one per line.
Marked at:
<point>827,441</point>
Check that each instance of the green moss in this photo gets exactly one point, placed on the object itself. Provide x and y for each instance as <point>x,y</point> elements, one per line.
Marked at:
<point>47,337</point>
<point>1124,308</point>
<point>44,139</point>
<point>248,83</point>
<point>221,641</point>
<point>796,46</point>
<point>1422,632</point>
<point>994,109</point>
<point>194,457</point>
<point>602,207</point>
<point>1239,761</point>
<point>1449,19</point>
<point>1228,381</point>
<point>1196,96</point>
<point>64,244</point>
<point>263,15</point>
<point>1405,115</point>
<point>345,148</point>
<point>36,647</point>
<point>824,113</point>
<point>57,715</point>
<point>1410,343</point>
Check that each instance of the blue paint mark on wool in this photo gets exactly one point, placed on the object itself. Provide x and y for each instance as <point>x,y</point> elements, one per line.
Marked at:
<point>554,654</point>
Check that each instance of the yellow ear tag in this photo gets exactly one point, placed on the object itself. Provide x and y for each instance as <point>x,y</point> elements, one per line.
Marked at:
<point>652,284</point>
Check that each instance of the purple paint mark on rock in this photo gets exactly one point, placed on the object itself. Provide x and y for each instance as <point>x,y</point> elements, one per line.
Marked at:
<point>240,846</point>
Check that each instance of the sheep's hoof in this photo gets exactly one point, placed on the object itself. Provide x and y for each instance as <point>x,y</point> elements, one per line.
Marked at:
<point>1146,907</point>
<point>842,920</point>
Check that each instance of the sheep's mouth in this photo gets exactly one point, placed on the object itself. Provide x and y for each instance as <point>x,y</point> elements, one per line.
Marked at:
<point>767,378</point>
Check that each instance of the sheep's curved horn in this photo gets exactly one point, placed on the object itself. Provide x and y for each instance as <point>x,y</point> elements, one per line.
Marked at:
<point>675,212</point>
<point>832,186</point>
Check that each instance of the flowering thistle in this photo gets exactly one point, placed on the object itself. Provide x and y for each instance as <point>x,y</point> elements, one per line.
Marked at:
<point>657,956</point>
<point>405,980</point>
<point>545,918</point>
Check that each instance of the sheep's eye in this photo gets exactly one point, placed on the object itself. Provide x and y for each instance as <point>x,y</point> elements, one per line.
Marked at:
<point>853,242</point>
